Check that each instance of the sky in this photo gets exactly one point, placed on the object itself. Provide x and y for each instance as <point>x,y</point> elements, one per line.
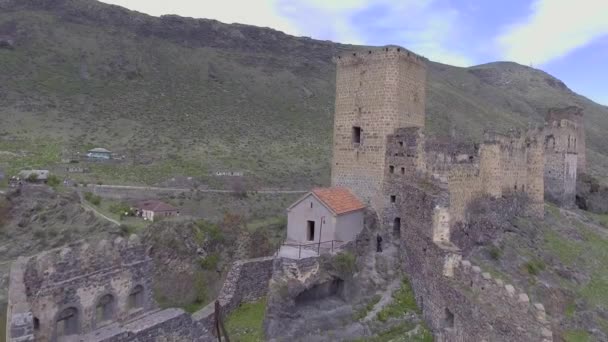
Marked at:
<point>566,38</point>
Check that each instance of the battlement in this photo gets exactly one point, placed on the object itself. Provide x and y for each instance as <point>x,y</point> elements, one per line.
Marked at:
<point>494,290</point>
<point>572,113</point>
<point>380,54</point>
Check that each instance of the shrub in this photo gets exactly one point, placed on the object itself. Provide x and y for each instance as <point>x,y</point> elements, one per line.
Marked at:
<point>208,230</point>
<point>53,181</point>
<point>494,252</point>
<point>534,267</point>
<point>210,262</point>
<point>200,287</point>
<point>120,209</point>
<point>344,263</point>
<point>126,230</point>
<point>32,178</point>
<point>94,199</point>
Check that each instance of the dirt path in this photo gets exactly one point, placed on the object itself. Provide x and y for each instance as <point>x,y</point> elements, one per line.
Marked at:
<point>95,211</point>
<point>385,299</point>
<point>153,188</point>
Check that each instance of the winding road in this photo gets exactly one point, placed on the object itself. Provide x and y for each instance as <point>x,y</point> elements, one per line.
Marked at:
<point>221,191</point>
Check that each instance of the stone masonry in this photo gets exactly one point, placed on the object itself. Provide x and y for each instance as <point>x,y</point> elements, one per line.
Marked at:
<point>103,293</point>
<point>575,116</point>
<point>376,92</point>
<point>421,187</point>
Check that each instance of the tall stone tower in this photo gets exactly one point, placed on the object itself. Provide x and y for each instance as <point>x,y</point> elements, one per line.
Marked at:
<point>377,91</point>
<point>574,114</point>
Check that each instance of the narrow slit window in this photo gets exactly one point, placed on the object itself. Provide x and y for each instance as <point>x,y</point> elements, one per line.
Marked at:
<point>391,169</point>
<point>356,135</point>
<point>393,198</point>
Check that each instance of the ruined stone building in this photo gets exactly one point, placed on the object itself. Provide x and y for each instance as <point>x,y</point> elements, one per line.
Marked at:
<point>422,186</point>
<point>103,293</point>
<point>379,135</point>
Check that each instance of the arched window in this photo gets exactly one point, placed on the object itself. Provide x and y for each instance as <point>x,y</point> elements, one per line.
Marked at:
<point>104,311</point>
<point>67,322</point>
<point>136,297</point>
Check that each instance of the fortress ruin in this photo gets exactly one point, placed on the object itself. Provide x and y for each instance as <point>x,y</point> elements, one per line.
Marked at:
<point>418,187</point>
<point>421,187</point>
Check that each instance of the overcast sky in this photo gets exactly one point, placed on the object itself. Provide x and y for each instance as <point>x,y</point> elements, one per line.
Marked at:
<point>566,38</point>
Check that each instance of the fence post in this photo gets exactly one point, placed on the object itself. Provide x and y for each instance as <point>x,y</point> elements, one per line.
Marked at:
<point>217,320</point>
<point>332,246</point>
<point>300,251</point>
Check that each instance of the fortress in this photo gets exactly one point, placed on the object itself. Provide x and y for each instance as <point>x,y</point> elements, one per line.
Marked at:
<point>419,187</point>
<point>422,187</point>
<point>379,136</point>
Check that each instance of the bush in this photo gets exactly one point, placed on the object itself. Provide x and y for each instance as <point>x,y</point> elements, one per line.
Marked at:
<point>210,262</point>
<point>208,230</point>
<point>200,287</point>
<point>126,230</point>
<point>90,197</point>
<point>120,209</point>
<point>494,252</point>
<point>32,178</point>
<point>344,263</point>
<point>53,181</point>
<point>534,267</point>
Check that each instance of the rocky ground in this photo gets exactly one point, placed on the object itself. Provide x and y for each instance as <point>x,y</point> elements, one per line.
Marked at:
<point>560,262</point>
<point>356,295</point>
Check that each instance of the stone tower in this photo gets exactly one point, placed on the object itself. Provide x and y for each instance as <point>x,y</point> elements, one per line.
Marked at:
<point>377,91</point>
<point>561,161</point>
<point>575,115</point>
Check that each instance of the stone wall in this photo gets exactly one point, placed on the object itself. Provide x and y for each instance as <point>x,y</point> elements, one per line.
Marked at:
<point>561,162</point>
<point>574,115</point>
<point>71,281</point>
<point>79,275</point>
<point>376,92</point>
<point>458,300</point>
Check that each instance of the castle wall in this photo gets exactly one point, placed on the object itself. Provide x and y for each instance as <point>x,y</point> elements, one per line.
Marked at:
<point>561,162</point>
<point>377,92</point>
<point>574,115</point>
<point>458,300</point>
<point>464,186</point>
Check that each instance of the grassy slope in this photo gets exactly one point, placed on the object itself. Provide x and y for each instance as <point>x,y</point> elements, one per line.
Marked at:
<point>561,262</point>
<point>185,97</point>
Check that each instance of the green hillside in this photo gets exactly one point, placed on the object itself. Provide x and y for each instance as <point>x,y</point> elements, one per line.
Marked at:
<point>187,97</point>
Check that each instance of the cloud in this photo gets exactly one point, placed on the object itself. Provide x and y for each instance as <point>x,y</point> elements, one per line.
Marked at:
<point>423,26</point>
<point>555,28</point>
<point>258,12</point>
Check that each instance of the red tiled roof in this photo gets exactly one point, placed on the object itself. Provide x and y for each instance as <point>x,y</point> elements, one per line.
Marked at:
<point>155,205</point>
<point>340,200</point>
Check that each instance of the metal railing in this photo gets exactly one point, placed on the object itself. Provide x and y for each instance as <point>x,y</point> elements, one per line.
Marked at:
<point>331,246</point>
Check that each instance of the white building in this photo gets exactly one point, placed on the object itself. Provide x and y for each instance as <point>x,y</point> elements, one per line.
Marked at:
<point>323,215</point>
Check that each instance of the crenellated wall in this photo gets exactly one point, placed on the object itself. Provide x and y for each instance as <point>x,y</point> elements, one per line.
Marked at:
<point>459,301</point>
